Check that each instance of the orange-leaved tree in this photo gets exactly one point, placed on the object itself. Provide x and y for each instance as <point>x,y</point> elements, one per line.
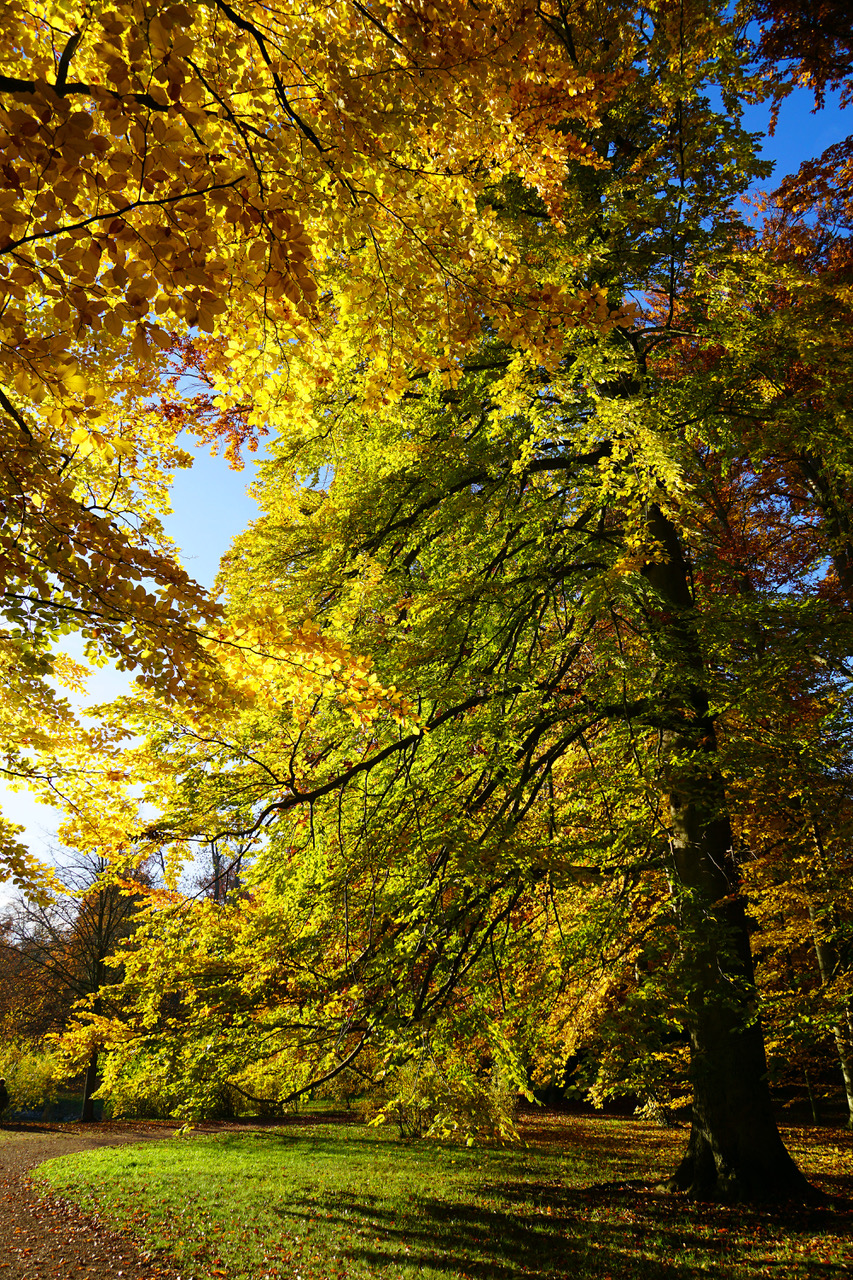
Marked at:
<point>250,181</point>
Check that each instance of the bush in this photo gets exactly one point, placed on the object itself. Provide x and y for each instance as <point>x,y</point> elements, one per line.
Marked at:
<point>32,1076</point>
<point>426,1100</point>
<point>146,1085</point>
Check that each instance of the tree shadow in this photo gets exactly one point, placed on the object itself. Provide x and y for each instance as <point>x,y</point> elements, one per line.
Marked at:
<point>550,1234</point>
<point>36,1127</point>
<point>514,1214</point>
<point>559,1232</point>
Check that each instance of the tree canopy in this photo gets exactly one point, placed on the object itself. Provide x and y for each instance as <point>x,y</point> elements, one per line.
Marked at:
<point>539,648</point>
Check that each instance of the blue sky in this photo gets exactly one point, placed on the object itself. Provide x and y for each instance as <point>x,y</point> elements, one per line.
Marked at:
<point>211,506</point>
<point>210,501</point>
<point>800,132</point>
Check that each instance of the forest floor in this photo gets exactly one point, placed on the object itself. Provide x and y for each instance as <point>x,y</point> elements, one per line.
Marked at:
<point>317,1200</point>
<point>42,1235</point>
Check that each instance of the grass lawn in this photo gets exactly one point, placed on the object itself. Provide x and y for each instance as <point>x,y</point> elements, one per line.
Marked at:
<point>317,1201</point>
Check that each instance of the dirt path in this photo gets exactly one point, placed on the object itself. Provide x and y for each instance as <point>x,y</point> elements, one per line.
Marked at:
<point>43,1236</point>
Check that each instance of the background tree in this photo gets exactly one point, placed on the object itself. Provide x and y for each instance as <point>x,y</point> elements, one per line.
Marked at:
<point>62,949</point>
<point>813,41</point>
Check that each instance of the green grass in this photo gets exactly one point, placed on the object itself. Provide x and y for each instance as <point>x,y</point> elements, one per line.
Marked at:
<point>317,1202</point>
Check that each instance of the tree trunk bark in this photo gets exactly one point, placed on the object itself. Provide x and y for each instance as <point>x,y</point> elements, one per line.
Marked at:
<point>827,961</point>
<point>90,1084</point>
<point>735,1150</point>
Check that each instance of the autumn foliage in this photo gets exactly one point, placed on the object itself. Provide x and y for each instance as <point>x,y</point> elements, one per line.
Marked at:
<point>537,653</point>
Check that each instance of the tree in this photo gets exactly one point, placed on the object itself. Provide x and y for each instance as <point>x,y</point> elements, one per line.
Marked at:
<point>814,40</point>
<point>63,947</point>
<point>776,369</point>
<point>176,175</point>
<point>512,526</point>
<point>480,562</point>
<point>532,610</point>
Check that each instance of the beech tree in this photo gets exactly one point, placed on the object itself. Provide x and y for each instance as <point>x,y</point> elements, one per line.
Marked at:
<point>425,876</point>
<point>168,171</point>
<point>813,42</point>
<point>495,332</point>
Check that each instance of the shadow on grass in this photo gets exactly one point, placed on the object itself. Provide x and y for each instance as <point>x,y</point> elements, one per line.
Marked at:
<point>542,1209</point>
<point>557,1232</point>
<point>338,1202</point>
<point>456,1238</point>
<point>48,1126</point>
<point>551,1234</point>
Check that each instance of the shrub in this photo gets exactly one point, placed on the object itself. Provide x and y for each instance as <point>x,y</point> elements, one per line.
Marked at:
<point>428,1100</point>
<point>32,1076</point>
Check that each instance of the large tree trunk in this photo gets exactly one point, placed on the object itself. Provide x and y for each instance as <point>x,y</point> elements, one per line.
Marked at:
<point>827,960</point>
<point>735,1150</point>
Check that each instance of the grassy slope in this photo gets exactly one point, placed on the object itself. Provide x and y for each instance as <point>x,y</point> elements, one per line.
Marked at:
<point>319,1202</point>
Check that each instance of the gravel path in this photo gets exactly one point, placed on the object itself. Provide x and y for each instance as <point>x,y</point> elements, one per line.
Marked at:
<point>41,1236</point>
